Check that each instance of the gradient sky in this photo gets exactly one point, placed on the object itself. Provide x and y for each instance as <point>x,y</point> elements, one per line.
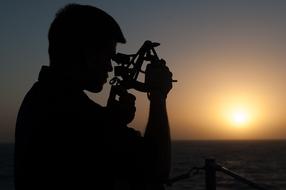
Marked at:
<point>227,56</point>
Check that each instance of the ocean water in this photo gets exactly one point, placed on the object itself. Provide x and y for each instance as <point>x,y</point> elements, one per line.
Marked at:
<point>263,162</point>
<point>6,166</point>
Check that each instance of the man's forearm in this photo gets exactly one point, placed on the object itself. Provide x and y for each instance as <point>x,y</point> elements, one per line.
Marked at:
<point>158,135</point>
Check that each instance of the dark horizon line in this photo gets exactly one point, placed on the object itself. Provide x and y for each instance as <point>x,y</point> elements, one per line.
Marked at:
<point>201,140</point>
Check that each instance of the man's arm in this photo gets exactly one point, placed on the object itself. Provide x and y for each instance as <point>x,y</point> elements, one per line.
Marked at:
<point>157,133</point>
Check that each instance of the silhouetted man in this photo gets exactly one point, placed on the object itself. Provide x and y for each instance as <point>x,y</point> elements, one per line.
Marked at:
<point>65,140</point>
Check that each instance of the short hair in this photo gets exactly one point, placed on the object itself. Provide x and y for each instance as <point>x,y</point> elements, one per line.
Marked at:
<point>77,26</point>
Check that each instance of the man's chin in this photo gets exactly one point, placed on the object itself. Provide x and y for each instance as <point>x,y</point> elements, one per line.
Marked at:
<point>94,89</point>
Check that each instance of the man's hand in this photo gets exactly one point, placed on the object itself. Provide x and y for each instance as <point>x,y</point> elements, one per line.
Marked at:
<point>158,79</point>
<point>123,110</point>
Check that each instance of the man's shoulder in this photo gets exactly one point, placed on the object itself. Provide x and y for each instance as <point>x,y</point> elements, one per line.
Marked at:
<point>59,99</point>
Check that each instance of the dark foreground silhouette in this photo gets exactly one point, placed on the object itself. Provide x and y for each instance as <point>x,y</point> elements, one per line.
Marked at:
<point>65,140</point>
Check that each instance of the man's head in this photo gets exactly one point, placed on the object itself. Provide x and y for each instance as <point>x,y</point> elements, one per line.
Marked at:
<point>82,41</point>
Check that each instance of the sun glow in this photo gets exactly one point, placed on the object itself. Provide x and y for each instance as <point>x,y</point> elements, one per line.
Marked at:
<point>240,114</point>
<point>239,117</point>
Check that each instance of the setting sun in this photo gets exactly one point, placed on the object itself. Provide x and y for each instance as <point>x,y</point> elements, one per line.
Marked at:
<point>241,113</point>
<point>240,117</point>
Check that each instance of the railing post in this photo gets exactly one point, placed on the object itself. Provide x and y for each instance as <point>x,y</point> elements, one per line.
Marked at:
<point>210,177</point>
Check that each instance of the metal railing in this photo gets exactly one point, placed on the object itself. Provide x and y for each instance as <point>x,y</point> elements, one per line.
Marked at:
<point>211,168</point>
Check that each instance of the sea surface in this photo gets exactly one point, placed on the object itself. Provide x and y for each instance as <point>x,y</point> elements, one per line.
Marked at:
<point>262,162</point>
